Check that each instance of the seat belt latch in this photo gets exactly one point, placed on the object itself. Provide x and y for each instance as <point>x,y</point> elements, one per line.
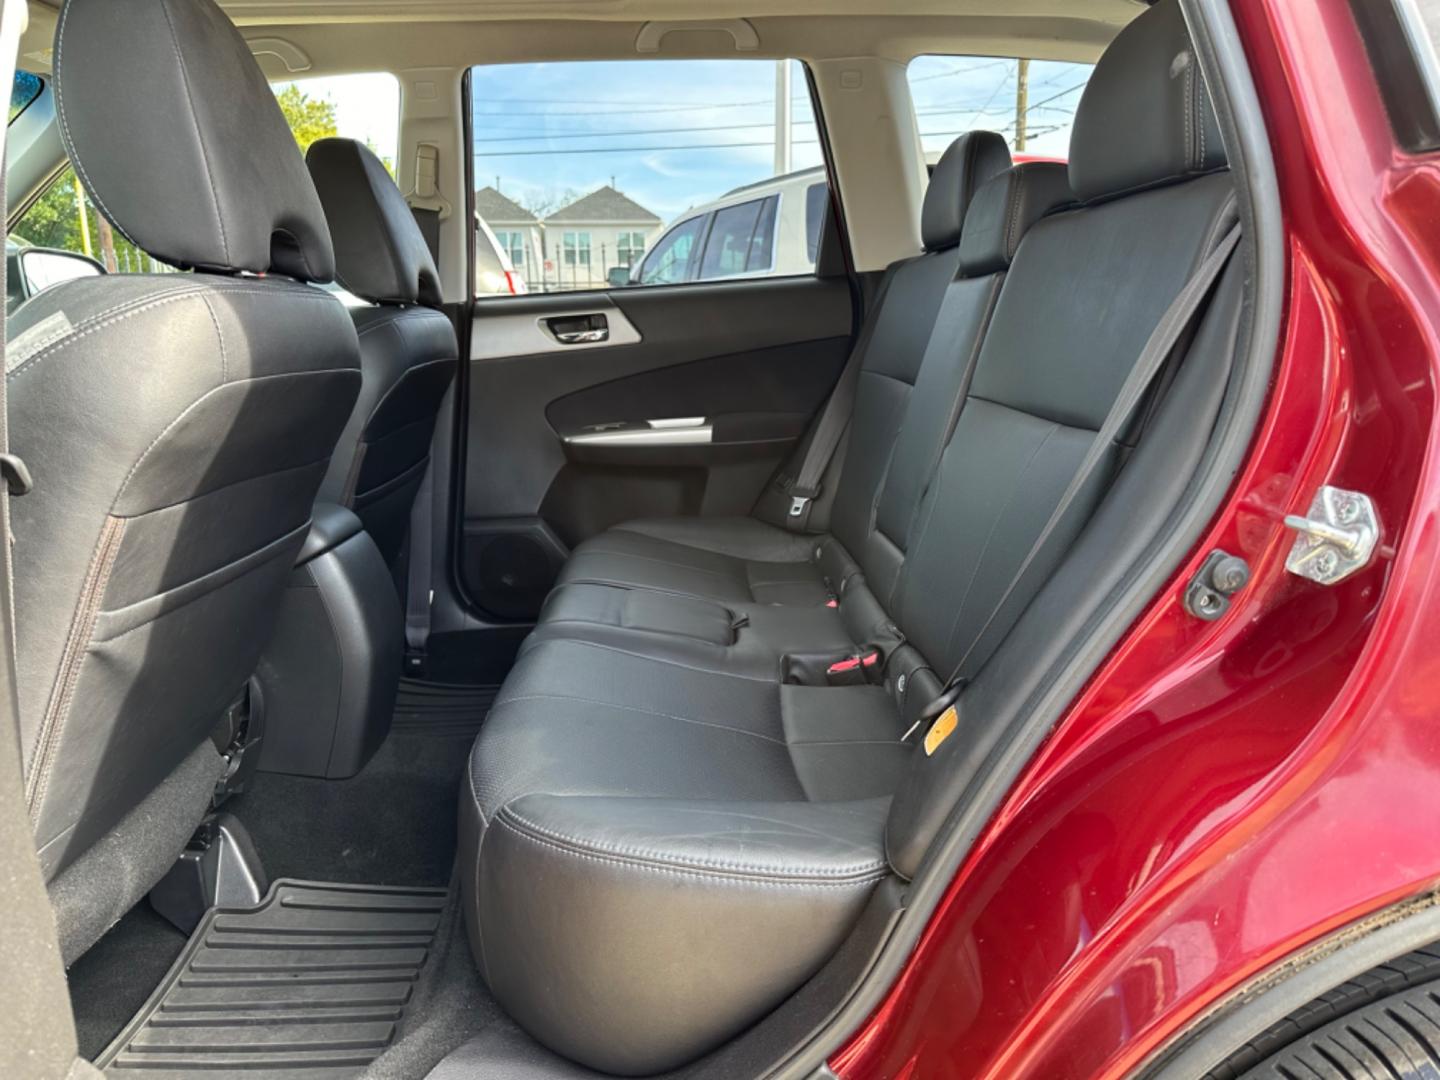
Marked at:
<point>17,476</point>
<point>862,667</point>
<point>800,499</point>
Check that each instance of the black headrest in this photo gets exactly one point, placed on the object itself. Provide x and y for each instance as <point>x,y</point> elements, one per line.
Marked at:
<point>966,164</point>
<point>176,135</point>
<point>1004,208</point>
<point>380,253</point>
<point>1145,116</point>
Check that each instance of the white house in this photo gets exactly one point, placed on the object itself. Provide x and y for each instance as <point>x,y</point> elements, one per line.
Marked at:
<point>599,232</point>
<point>518,232</point>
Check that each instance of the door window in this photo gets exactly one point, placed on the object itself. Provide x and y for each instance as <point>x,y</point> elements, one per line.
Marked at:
<point>612,167</point>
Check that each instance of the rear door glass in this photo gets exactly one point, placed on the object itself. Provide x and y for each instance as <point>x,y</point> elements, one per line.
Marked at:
<point>1030,102</point>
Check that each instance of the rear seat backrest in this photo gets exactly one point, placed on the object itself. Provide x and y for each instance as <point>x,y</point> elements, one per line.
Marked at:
<point>896,342</point>
<point>1000,213</point>
<point>1084,293</point>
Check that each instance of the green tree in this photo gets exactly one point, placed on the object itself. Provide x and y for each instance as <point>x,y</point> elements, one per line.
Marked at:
<point>310,119</point>
<point>54,221</point>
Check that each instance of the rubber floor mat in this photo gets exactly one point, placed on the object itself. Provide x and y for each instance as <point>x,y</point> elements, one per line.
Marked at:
<point>310,984</point>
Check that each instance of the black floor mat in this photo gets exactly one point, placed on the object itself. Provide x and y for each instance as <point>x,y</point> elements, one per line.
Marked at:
<point>311,984</point>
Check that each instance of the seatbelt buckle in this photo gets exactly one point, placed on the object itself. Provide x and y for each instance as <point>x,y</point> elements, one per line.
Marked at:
<point>800,500</point>
<point>857,669</point>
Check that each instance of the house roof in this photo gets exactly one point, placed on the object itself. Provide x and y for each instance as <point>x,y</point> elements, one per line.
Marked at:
<point>603,204</point>
<point>493,207</point>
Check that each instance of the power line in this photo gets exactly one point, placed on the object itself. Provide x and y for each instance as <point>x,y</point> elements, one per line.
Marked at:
<point>713,146</point>
<point>621,134</point>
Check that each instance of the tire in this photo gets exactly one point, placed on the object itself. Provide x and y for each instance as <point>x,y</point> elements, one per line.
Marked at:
<point>1383,1024</point>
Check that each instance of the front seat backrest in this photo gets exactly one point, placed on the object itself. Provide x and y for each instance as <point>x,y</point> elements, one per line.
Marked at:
<point>407,346</point>
<point>177,426</point>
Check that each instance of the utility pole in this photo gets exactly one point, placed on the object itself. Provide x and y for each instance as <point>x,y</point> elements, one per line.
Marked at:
<point>1022,95</point>
<point>84,218</point>
<point>782,117</point>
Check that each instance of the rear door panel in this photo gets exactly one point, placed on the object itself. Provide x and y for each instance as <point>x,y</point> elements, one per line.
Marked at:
<point>749,361</point>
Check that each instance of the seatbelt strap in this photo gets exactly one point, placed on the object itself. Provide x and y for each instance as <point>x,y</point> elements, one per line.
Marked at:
<point>429,222</point>
<point>804,487</point>
<point>418,590</point>
<point>1163,339</point>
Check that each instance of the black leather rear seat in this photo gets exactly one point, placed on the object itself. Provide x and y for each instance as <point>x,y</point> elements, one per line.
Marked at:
<point>661,839</point>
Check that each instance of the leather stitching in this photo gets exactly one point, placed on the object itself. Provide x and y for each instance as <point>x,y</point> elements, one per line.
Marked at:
<point>642,712</point>
<point>697,868</point>
<point>218,578</point>
<point>109,317</point>
<point>77,642</point>
<point>659,660</point>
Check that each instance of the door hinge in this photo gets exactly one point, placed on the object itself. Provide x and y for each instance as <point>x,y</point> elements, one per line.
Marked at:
<point>1337,537</point>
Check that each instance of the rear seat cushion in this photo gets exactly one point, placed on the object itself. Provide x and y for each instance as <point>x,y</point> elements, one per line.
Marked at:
<point>729,560</point>
<point>656,831</point>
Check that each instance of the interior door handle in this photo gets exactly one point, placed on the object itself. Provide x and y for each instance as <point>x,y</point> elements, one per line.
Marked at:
<point>578,329</point>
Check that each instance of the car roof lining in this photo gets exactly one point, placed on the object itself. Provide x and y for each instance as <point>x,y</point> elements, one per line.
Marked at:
<point>342,36</point>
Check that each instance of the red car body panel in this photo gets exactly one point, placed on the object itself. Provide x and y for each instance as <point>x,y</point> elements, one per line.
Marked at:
<point>1224,794</point>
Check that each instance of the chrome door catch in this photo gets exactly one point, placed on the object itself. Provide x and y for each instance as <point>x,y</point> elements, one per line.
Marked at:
<point>1337,537</point>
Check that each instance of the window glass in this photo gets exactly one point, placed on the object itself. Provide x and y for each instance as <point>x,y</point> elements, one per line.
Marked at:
<point>364,107</point>
<point>762,241</point>
<point>727,249</point>
<point>513,244</point>
<point>64,217</point>
<point>1030,102</point>
<point>609,168</point>
<point>25,89</point>
<point>669,261</point>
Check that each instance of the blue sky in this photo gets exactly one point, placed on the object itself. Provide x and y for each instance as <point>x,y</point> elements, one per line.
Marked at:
<point>676,133</point>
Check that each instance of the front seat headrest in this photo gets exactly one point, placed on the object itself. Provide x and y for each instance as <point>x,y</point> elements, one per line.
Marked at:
<point>380,253</point>
<point>176,135</point>
<point>1145,116</point>
<point>967,163</point>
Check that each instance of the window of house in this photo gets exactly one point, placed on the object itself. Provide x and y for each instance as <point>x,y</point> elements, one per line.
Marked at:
<point>641,157</point>
<point>1030,102</point>
<point>577,249</point>
<point>513,244</point>
<point>629,247</point>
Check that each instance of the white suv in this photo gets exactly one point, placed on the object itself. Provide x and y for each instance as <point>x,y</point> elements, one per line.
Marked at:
<point>768,228</point>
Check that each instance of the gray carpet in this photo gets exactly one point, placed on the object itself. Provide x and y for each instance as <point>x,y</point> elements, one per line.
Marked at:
<point>111,981</point>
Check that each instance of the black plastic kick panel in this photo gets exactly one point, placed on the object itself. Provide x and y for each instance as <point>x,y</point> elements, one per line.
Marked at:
<point>310,984</point>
